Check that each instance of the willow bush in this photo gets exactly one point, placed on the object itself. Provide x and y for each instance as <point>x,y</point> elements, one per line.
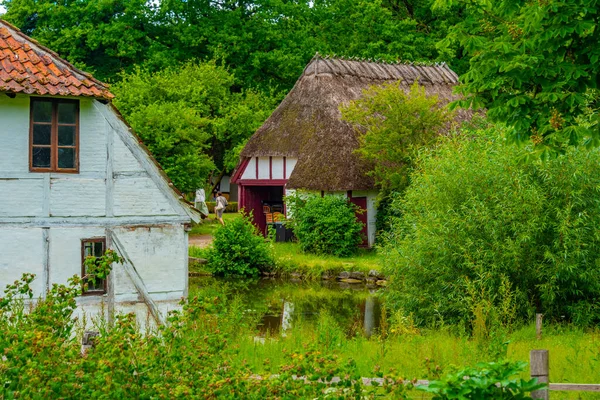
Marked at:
<point>488,235</point>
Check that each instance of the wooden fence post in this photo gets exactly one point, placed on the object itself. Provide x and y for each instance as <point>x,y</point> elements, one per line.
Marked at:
<point>538,326</point>
<point>540,369</point>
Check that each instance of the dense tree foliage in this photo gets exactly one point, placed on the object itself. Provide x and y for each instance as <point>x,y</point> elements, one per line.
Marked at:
<point>393,125</point>
<point>190,119</point>
<point>265,43</point>
<point>534,65</point>
<point>486,236</point>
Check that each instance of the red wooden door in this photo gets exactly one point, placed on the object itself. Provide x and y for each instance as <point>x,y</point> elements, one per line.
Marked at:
<point>362,217</point>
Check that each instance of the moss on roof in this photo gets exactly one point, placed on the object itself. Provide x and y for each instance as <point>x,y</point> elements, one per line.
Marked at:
<point>307,124</point>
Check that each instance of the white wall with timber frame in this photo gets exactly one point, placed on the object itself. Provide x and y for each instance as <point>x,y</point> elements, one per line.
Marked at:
<point>119,193</point>
<point>267,168</point>
<point>275,171</point>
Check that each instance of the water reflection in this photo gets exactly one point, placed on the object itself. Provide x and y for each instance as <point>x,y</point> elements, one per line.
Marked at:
<point>280,306</point>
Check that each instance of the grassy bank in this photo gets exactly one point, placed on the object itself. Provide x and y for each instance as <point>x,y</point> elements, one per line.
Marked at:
<point>412,353</point>
<point>573,353</point>
<point>209,225</point>
<point>290,259</point>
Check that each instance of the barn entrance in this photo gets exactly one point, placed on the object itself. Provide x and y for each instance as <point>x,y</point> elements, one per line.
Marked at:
<point>362,217</point>
<point>265,203</point>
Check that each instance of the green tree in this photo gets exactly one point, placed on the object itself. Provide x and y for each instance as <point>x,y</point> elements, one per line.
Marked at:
<point>102,37</point>
<point>265,43</point>
<point>392,125</point>
<point>534,66</point>
<point>190,119</point>
<point>484,235</point>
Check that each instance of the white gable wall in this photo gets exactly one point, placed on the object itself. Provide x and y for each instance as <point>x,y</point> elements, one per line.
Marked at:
<point>115,189</point>
<point>269,168</point>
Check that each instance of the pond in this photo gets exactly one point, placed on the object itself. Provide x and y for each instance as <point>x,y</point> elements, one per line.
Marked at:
<point>279,306</point>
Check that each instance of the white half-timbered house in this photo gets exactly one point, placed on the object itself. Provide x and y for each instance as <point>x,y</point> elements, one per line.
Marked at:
<point>74,181</point>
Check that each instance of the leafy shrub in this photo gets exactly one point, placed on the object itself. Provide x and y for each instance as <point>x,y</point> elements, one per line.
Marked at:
<point>488,237</point>
<point>486,381</point>
<point>239,249</point>
<point>194,356</point>
<point>325,225</point>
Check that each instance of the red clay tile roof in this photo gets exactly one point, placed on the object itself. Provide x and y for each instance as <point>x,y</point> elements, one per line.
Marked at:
<point>28,67</point>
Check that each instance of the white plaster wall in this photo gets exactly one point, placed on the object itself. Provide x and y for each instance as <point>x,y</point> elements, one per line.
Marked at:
<point>290,164</point>
<point>14,134</point>
<point>72,195</point>
<point>92,138</point>
<point>159,254</point>
<point>89,200</point>
<point>21,197</point>
<point>263,168</point>
<point>65,251</point>
<point>250,171</point>
<point>225,184</point>
<point>124,160</point>
<point>277,168</point>
<point>21,250</point>
<point>140,196</point>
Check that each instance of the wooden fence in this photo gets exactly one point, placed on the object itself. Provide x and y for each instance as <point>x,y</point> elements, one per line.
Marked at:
<point>539,362</point>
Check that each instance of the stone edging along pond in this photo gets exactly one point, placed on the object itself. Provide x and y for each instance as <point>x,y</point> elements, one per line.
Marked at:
<point>373,277</point>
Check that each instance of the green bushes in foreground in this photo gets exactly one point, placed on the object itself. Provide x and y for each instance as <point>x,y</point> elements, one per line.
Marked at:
<point>202,353</point>
<point>325,225</point>
<point>239,249</point>
<point>489,237</point>
<point>194,356</point>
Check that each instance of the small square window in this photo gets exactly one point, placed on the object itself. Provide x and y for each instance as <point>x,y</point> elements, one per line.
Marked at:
<point>54,135</point>
<point>95,248</point>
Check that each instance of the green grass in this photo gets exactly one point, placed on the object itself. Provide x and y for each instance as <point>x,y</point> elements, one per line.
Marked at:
<point>210,224</point>
<point>290,258</point>
<point>574,354</point>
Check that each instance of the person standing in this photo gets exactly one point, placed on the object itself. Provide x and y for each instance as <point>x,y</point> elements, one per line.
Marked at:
<point>220,207</point>
<point>200,203</point>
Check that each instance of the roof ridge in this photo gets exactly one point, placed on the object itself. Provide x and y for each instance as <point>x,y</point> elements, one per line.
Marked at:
<point>428,72</point>
<point>420,63</point>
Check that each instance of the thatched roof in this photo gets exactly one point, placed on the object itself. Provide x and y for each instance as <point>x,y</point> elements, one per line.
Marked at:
<point>307,124</point>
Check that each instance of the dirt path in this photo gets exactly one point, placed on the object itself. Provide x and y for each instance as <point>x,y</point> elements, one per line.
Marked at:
<point>200,240</point>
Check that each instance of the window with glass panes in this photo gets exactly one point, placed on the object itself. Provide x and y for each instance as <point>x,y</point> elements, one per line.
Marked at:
<point>54,135</point>
<point>95,248</point>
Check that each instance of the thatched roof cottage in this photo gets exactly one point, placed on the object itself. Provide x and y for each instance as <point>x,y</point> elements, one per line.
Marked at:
<point>304,144</point>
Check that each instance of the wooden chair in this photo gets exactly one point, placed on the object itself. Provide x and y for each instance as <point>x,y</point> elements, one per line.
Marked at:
<point>266,209</point>
<point>269,218</point>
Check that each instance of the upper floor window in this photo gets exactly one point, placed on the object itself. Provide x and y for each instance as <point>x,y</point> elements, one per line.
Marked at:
<point>54,135</point>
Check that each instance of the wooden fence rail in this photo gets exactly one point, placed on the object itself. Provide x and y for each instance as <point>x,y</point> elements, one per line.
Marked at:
<point>539,365</point>
<point>539,362</point>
